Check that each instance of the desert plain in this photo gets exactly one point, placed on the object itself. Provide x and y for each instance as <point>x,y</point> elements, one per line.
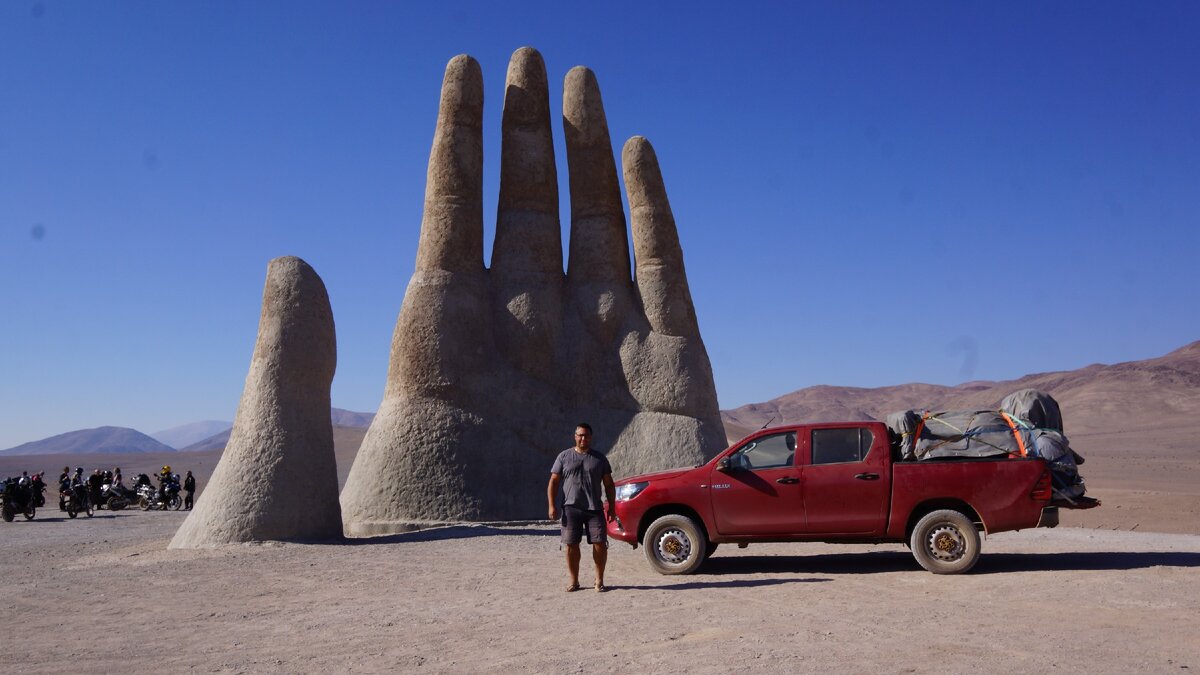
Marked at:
<point>1112,590</point>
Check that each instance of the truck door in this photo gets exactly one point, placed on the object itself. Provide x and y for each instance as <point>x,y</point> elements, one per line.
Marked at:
<point>846,481</point>
<point>759,492</point>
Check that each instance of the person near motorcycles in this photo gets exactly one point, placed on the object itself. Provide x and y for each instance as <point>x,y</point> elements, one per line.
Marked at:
<point>189,486</point>
<point>169,485</point>
<point>39,489</point>
<point>94,484</point>
<point>64,484</point>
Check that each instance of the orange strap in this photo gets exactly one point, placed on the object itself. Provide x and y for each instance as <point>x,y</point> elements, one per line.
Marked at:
<point>917,434</point>
<point>1016,434</point>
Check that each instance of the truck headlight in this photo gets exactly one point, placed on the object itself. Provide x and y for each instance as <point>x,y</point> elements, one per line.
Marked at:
<point>630,490</point>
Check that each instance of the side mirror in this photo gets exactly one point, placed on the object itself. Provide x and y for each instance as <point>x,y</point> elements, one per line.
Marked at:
<point>723,464</point>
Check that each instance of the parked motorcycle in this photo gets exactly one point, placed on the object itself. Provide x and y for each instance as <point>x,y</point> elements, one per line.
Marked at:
<point>74,500</point>
<point>16,498</point>
<point>111,496</point>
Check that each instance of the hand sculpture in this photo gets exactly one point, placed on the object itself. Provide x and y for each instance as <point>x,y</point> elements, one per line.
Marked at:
<point>492,368</point>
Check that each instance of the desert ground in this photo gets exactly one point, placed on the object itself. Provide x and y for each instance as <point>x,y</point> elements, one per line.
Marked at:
<point>477,598</point>
<point>1113,590</point>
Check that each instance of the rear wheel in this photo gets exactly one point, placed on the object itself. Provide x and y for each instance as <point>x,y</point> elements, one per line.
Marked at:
<point>30,512</point>
<point>675,544</point>
<point>945,542</point>
<point>9,513</point>
<point>71,513</point>
<point>89,510</point>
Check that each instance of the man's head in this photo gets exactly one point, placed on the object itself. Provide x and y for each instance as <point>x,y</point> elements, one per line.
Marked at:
<point>583,435</point>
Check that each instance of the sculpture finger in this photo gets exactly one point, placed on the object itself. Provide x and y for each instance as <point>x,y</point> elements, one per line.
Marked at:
<point>282,436</point>
<point>661,278</point>
<point>452,226</point>
<point>527,257</point>
<point>599,250</point>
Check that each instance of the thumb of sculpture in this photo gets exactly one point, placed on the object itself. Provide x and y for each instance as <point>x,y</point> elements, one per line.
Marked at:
<point>277,479</point>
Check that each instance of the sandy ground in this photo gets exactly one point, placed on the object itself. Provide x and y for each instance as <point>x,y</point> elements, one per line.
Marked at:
<point>490,599</point>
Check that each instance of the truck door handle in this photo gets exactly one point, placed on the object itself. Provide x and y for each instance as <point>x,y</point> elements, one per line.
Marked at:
<point>867,476</point>
<point>787,480</point>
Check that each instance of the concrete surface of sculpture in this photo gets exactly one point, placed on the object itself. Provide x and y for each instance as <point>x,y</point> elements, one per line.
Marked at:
<point>277,479</point>
<point>491,368</point>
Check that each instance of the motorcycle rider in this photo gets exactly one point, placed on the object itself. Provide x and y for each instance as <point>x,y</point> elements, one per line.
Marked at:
<point>79,485</point>
<point>168,485</point>
<point>39,489</point>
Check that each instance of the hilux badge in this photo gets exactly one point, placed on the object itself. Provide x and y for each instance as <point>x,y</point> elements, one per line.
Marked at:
<point>720,486</point>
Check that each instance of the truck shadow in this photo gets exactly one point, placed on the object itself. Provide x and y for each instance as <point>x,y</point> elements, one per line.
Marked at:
<point>732,583</point>
<point>998,563</point>
<point>990,563</point>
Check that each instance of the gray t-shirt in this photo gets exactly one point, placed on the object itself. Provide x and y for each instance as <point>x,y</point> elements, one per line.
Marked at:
<point>582,478</point>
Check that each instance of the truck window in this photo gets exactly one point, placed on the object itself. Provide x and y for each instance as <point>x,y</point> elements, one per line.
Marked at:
<point>835,446</point>
<point>766,452</point>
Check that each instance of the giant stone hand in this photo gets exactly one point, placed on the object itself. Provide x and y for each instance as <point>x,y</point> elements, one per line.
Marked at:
<point>492,368</point>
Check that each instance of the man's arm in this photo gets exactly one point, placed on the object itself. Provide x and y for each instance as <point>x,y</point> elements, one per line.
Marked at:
<point>610,493</point>
<point>552,494</point>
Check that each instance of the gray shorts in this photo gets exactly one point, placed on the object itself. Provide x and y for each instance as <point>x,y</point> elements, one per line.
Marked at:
<point>573,521</point>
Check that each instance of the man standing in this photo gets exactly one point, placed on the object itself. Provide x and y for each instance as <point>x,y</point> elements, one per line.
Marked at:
<point>581,473</point>
<point>189,486</point>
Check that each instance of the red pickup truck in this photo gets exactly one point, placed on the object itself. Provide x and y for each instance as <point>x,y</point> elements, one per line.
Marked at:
<point>832,482</point>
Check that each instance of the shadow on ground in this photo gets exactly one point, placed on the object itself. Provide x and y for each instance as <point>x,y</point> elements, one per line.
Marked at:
<point>989,563</point>
<point>457,532</point>
<point>732,583</point>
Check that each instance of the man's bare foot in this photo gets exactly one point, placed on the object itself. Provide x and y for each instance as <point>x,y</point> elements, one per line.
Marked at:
<point>574,586</point>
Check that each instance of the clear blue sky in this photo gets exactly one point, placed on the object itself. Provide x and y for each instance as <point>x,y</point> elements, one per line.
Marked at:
<point>867,193</point>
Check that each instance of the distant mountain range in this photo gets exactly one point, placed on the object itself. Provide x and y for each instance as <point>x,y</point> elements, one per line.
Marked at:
<point>1155,394</point>
<point>1099,398</point>
<point>205,435</point>
<point>186,434</point>
<point>91,441</point>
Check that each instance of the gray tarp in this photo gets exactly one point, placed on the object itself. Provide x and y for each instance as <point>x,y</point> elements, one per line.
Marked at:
<point>958,433</point>
<point>1033,427</point>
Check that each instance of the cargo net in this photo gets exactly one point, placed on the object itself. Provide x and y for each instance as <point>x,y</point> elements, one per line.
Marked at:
<point>1013,431</point>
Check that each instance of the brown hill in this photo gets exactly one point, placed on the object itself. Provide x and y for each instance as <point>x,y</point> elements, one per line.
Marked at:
<point>1137,424</point>
<point>1151,394</point>
<point>110,440</point>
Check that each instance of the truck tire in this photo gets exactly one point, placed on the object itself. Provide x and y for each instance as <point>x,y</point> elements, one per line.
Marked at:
<point>945,542</point>
<point>675,544</point>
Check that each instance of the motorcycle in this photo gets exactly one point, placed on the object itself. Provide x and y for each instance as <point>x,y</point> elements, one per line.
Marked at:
<point>74,500</point>
<point>17,498</point>
<point>147,496</point>
<point>110,496</point>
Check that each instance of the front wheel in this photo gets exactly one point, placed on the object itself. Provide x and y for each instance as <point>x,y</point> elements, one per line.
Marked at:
<point>143,503</point>
<point>89,510</point>
<point>945,542</point>
<point>9,513</point>
<point>176,502</point>
<point>675,544</point>
<point>71,513</point>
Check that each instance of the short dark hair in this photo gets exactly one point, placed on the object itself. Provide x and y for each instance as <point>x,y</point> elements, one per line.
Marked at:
<point>584,425</point>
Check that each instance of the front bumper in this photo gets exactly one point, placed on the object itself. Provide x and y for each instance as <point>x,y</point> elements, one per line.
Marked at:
<point>617,526</point>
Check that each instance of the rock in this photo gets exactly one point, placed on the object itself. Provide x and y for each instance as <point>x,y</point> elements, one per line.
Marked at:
<point>277,479</point>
